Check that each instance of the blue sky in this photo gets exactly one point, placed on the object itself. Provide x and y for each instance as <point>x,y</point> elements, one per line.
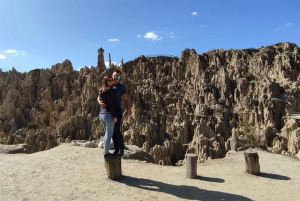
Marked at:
<point>40,33</point>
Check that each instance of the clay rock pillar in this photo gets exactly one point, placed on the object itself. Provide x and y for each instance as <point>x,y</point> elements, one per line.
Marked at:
<point>101,64</point>
<point>109,60</point>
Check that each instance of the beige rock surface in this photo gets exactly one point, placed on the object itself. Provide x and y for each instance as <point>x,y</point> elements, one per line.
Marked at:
<point>69,172</point>
<point>194,100</point>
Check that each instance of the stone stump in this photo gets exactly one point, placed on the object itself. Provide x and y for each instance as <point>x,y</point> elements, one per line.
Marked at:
<point>113,167</point>
<point>191,165</point>
<point>252,162</point>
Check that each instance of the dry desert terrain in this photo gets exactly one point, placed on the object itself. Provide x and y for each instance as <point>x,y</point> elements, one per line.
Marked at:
<point>70,172</point>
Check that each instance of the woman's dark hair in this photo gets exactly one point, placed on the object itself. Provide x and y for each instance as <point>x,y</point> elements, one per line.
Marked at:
<point>104,82</point>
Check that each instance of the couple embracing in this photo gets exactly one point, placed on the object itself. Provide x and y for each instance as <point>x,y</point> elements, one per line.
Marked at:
<point>110,94</point>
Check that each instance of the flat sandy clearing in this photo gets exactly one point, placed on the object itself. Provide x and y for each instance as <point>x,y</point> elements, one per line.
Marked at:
<point>70,172</point>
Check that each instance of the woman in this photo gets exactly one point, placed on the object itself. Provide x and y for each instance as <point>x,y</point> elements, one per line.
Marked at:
<point>108,115</point>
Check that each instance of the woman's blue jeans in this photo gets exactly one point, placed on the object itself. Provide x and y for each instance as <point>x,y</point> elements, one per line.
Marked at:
<point>108,124</point>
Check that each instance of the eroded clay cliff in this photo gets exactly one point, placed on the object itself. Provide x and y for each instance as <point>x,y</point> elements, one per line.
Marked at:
<point>203,103</point>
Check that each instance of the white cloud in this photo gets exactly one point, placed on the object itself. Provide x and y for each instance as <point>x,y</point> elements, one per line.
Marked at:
<point>11,51</point>
<point>2,56</point>
<point>78,68</point>
<point>15,52</point>
<point>194,13</point>
<point>172,35</point>
<point>23,53</point>
<point>286,24</point>
<point>202,25</point>
<point>113,40</point>
<point>107,63</point>
<point>139,35</point>
<point>151,35</point>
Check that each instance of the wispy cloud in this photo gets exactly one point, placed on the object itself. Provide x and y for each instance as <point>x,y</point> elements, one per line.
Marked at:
<point>285,25</point>
<point>194,13</point>
<point>15,52</point>
<point>11,51</point>
<point>78,68</point>
<point>151,35</point>
<point>202,25</point>
<point>139,35</point>
<point>2,56</point>
<point>172,35</point>
<point>107,63</point>
<point>113,40</point>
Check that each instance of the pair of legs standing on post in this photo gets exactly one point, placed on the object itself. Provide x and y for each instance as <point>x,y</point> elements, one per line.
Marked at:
<point>117,135</point>
<point>112,131</point>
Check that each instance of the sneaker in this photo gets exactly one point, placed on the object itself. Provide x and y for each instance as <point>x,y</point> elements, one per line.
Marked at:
<point>121,153</point>
<point>116,152</point>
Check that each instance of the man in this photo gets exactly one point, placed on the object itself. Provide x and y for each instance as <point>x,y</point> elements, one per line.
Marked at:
<point>119,91</point>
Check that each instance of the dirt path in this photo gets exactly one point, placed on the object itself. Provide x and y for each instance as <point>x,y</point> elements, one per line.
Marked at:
<point>70,172</point>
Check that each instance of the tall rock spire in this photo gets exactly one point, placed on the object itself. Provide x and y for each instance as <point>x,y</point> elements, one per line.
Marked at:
<point>101,63</point>
<point>109,60</point>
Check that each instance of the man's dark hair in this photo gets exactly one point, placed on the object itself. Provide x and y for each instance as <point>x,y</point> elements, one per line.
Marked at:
<point>118,71</point>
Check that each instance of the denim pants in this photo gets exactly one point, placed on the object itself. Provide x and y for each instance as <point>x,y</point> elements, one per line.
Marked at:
<point>117,136</point>
<point>108,124</point>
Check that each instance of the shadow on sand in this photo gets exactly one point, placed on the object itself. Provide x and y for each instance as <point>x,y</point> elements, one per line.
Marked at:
<point>182,191</point>
<point>211,179</point>
<point>273,176</point>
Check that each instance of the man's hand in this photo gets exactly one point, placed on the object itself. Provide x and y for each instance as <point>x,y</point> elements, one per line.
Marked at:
<point>126,100</point>
<point>102,104</point>
<point>126,115</point>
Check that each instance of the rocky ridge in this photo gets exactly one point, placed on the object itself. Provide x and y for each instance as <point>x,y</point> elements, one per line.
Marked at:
<point>203,103</point>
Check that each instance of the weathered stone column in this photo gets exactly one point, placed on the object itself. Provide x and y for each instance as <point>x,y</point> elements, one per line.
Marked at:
<point>101,64</point>
<point>109,60</point>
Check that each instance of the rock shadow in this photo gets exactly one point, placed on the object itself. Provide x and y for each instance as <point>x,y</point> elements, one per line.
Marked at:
<point>180,191</point>
<point>273,176</point>
<point>211,179</point>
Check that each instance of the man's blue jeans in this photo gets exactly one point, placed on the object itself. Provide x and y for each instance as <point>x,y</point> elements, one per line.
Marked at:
<point>117,136</point>
<point>108,124</point>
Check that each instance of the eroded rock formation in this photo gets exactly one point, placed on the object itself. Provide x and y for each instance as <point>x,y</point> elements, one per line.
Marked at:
<point>192,103</point>
<point>101,63</point>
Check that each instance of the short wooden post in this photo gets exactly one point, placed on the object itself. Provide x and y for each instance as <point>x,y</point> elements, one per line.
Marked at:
<point>191,165</point>
<point>113,167</point>
<point>252,162</point>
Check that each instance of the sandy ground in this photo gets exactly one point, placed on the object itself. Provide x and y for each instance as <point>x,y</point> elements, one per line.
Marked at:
<point>70,172</point>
